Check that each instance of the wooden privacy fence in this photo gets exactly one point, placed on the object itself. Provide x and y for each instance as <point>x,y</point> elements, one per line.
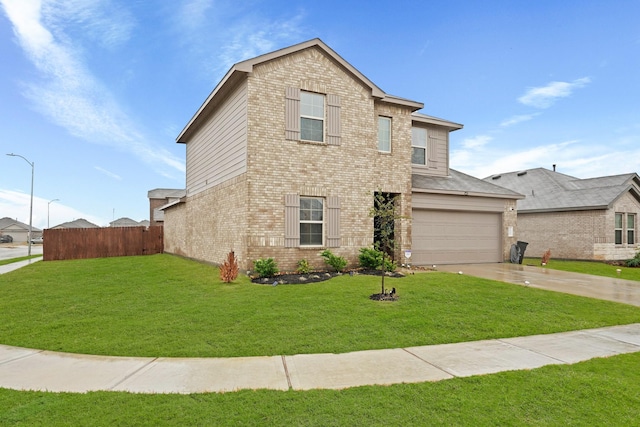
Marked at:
<point>75,243</point>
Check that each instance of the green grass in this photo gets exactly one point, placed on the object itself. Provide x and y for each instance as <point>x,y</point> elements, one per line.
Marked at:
<point>599,392</point>
<point>18,259</point>
<point>166,306</point>
<point>162,305</point>
<point>588,267</point>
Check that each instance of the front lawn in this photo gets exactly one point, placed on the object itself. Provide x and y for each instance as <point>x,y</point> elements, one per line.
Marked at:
<point>162,305</point>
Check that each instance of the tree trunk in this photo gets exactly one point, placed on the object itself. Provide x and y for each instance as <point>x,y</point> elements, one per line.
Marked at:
<point>383,271</point>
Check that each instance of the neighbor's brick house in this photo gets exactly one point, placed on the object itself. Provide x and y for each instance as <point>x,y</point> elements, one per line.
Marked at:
<point>586,219</point>
<point>285,155</point>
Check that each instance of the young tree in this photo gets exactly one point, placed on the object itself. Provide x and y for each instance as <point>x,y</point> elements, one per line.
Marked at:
<point>385,216</point>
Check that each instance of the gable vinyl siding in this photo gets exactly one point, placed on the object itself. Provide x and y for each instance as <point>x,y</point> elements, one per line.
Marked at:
<point>218,150</point>
<point>437,152</point>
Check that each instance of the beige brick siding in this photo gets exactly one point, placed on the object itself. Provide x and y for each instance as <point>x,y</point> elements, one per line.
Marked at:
<point>509,220</point>
<point>210,224</point>
<point>587,235</point>
<point>277,166</point>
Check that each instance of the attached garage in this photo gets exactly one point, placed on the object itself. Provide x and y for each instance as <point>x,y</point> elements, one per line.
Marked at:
<point>458,219</point>
<point>452,237</point>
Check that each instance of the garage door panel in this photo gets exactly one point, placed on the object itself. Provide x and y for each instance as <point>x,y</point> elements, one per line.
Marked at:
<point>449,237</point>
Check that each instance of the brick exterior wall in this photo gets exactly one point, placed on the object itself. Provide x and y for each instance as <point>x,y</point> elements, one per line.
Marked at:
<point>509,220</point>
<point>210,224</point>
<point>582,235</point>
<point>352,171</point>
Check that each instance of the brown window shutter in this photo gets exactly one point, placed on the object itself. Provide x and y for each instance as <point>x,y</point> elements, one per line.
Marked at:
<point>292,113</point>
<point>333,120</point>
<point>291,221</point>
<point>333,222</point>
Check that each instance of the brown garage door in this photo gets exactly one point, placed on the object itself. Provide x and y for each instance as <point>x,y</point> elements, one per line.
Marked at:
<point>455,237</point>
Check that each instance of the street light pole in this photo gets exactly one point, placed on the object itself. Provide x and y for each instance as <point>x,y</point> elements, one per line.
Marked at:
<point>32,164</point>
<point>51,201</point>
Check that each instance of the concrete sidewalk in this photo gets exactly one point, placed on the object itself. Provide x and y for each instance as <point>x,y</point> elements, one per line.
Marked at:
<point>16,265</point>
<point>27,369</point>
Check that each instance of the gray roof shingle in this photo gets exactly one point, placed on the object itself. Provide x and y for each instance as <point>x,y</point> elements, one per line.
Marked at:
<point>547,190</point>
<point>458,182</point>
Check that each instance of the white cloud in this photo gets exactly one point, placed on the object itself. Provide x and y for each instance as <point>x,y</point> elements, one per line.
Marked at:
<point>69,94</point>
<point>100,21</point>
<point>16,205</point>
<point>108,173</point>
<point>573,157</point>
<point>546,96</point>
<point>514,120</point>
<point>476,142</point>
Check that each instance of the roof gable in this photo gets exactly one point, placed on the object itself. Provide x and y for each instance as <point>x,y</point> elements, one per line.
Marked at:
<point>240,70</point>
<point>7,223</point>
<point>547,190</point>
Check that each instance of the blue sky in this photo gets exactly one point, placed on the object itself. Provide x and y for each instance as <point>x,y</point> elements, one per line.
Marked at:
<point>94,92</point>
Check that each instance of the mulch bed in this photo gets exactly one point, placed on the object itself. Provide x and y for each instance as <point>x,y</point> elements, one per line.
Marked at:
<point>314,277</point>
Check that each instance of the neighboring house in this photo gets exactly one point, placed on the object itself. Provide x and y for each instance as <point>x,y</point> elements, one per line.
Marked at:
<point>126,222</point>
<point>159,198</point>
<point>18,230</point>
<point>285,155</point>
<point>590,219</point>
<point>77,223</point>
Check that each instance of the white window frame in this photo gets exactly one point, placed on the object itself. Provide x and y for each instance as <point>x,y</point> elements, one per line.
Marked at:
<point>419,142</point>
<point>384,135</point>
<point>306,104</point>
<point>320,221</point>
<point>618,229</point>
<point>631,229</point>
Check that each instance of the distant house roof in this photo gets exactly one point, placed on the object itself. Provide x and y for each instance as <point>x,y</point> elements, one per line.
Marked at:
<point>125,222</point>
<point>242,69</point>
<point>77,223</point>
<point>547,190</point>
<point>7,223</point>
<point>166,193</point>
<point>462,184</point>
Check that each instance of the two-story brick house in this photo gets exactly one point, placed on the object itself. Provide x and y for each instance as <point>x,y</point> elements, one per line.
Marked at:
<point>284,158</point>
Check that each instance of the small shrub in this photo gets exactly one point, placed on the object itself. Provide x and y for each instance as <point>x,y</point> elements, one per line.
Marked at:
<point>229,269</point>
<point>371,259</point>
<point>266,267</point>
<point>303,267</point>
<point>635,261</point>
<point>338,263</point>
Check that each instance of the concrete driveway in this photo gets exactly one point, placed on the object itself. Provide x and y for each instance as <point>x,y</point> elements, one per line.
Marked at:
<point>606,288</point>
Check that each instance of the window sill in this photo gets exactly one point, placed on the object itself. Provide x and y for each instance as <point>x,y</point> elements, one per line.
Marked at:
<point>321,143</point>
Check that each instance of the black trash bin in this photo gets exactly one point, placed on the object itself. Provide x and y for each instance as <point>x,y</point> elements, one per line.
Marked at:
<point>522,246</point>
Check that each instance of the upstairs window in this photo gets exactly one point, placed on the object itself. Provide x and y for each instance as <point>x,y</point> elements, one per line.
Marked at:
<point>384,134</point>
<point>419,146</point>
<point>631,229</point>
<point>311,116</point>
